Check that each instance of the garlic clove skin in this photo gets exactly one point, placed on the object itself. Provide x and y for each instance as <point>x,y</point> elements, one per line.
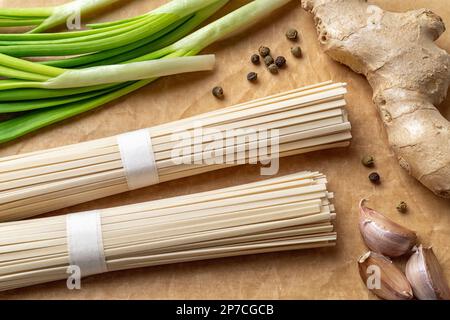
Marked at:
<point>383,278</point>
<point>425,275</point>
<point>384,236</point>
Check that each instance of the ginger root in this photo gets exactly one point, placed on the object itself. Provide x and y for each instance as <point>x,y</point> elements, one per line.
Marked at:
<point>408,72</point>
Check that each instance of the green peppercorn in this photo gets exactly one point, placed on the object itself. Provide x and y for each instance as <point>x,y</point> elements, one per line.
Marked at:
<point>252,76</point>
<point>218,92</point>
<point>374,177</point>
<point>297,52</point>
<point>268,60</point>
<point>368,161</point>
<point>402,207</point>
<point>255,59</point>
<point>292,34</point>
<point>280,61</point>
<point>264,51</point>
<point>273,68</point>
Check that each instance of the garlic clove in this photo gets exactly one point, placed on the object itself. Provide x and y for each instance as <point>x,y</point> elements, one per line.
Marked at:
<point>384,236</point>
<point>425,275</point>
<point>383,278</point>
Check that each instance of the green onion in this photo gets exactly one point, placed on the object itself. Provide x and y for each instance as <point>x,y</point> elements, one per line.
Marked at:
<point>39,71</point>
<point>188,46</point>
<point>125,72</point>
<point>13,99</point>
<point>46,18</point>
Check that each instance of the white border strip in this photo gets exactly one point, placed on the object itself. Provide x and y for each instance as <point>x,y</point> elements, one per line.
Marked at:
<point>138,159</point>
<point>85,242</point>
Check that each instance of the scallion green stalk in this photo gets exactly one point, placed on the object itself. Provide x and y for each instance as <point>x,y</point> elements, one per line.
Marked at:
<point>46,18</point>
<point>113,74</point>
<point>61,13</point>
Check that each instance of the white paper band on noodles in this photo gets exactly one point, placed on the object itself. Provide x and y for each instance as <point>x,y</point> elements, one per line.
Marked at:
<point>138,159</point>
<point>85,242</point>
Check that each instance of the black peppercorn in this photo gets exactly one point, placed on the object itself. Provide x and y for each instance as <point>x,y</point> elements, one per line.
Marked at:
<point>273,68</point>
<point>292,34</point>
<point>374,177</point>
<point>280,61</point>
<point>264,51</point>
<point>252,76</point>
<point>296,51</point>
<point>255,59</point>
<point>217,92</point>
<point>268,60</point>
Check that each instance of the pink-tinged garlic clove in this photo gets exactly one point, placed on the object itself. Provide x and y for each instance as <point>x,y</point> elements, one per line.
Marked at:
<point>383,278</point>
<point>384,236</point>
<point>425,275</point>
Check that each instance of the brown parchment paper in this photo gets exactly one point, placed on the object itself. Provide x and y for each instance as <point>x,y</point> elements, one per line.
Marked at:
<point>314,274</point>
